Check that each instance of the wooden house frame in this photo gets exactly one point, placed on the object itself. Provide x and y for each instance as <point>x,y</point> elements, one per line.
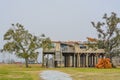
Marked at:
<point>72,54</point>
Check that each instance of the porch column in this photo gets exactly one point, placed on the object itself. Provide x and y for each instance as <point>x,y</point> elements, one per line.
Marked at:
<point>86,60</point>
<point>47,60</point>
<point>53,60</point>
<point>78,59</point>
<point>68,60</point>
<point>97,58</point>
<point>92,60</point>
<point>74,60</point>
<point>43,60</point>
<point>64,60</point>
<point>95,61</point>
<point>60,59</point>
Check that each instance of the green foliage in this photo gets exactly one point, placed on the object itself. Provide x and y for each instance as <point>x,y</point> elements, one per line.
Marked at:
<point>46,43</point>
<point>108,32</point>
<point>24,44</point>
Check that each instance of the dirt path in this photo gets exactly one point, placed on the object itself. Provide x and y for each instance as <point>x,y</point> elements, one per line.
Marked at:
<point>54,75</point>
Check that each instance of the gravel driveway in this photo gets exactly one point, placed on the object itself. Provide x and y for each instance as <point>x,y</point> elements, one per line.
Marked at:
<point>54,75</point>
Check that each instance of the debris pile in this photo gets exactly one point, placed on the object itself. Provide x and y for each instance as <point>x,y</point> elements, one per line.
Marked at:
<point>104,63</point>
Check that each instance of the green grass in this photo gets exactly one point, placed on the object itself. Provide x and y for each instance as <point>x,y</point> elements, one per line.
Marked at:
<point>13,75</point>
<point>19,72</point>
<point>93,73</point>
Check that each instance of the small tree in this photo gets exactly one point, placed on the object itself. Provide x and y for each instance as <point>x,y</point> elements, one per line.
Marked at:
<point>22,43</point>
<point>108,33</point>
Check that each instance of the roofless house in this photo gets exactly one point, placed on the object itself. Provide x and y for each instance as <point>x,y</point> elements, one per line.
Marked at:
<point>71,54</point>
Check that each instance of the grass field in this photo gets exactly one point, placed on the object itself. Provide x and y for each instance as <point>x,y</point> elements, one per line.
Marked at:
<point>19,72</point>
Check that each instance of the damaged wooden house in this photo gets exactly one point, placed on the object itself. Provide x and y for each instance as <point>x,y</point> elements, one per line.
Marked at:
<point>71,54</point>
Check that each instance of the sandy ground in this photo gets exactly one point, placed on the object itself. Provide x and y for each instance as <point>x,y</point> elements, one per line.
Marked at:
<point>54,75</point>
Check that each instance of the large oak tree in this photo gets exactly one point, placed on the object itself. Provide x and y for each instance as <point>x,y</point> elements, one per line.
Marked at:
<point>24,44</point>
<point>108,33</point>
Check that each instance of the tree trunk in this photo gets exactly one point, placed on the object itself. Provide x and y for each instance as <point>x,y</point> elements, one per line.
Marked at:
<point>26,62</point>
<point>42,59</point>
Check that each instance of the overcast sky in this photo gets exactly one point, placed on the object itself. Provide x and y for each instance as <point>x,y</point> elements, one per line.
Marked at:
<point>58,19</point>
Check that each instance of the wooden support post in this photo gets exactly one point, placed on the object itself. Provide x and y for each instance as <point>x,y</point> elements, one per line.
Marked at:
<point>64,60</point>
<point>47,62</point>
<point>74,60</point>
<point>92,61</point>
<point>43,60</point>
<point>86,60</point>
<point>78,59</point>
<point>96,58</point>
<point>60,59</point>
<point>95,61</point>
<point>55,59</point>
<point>68,60</point>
